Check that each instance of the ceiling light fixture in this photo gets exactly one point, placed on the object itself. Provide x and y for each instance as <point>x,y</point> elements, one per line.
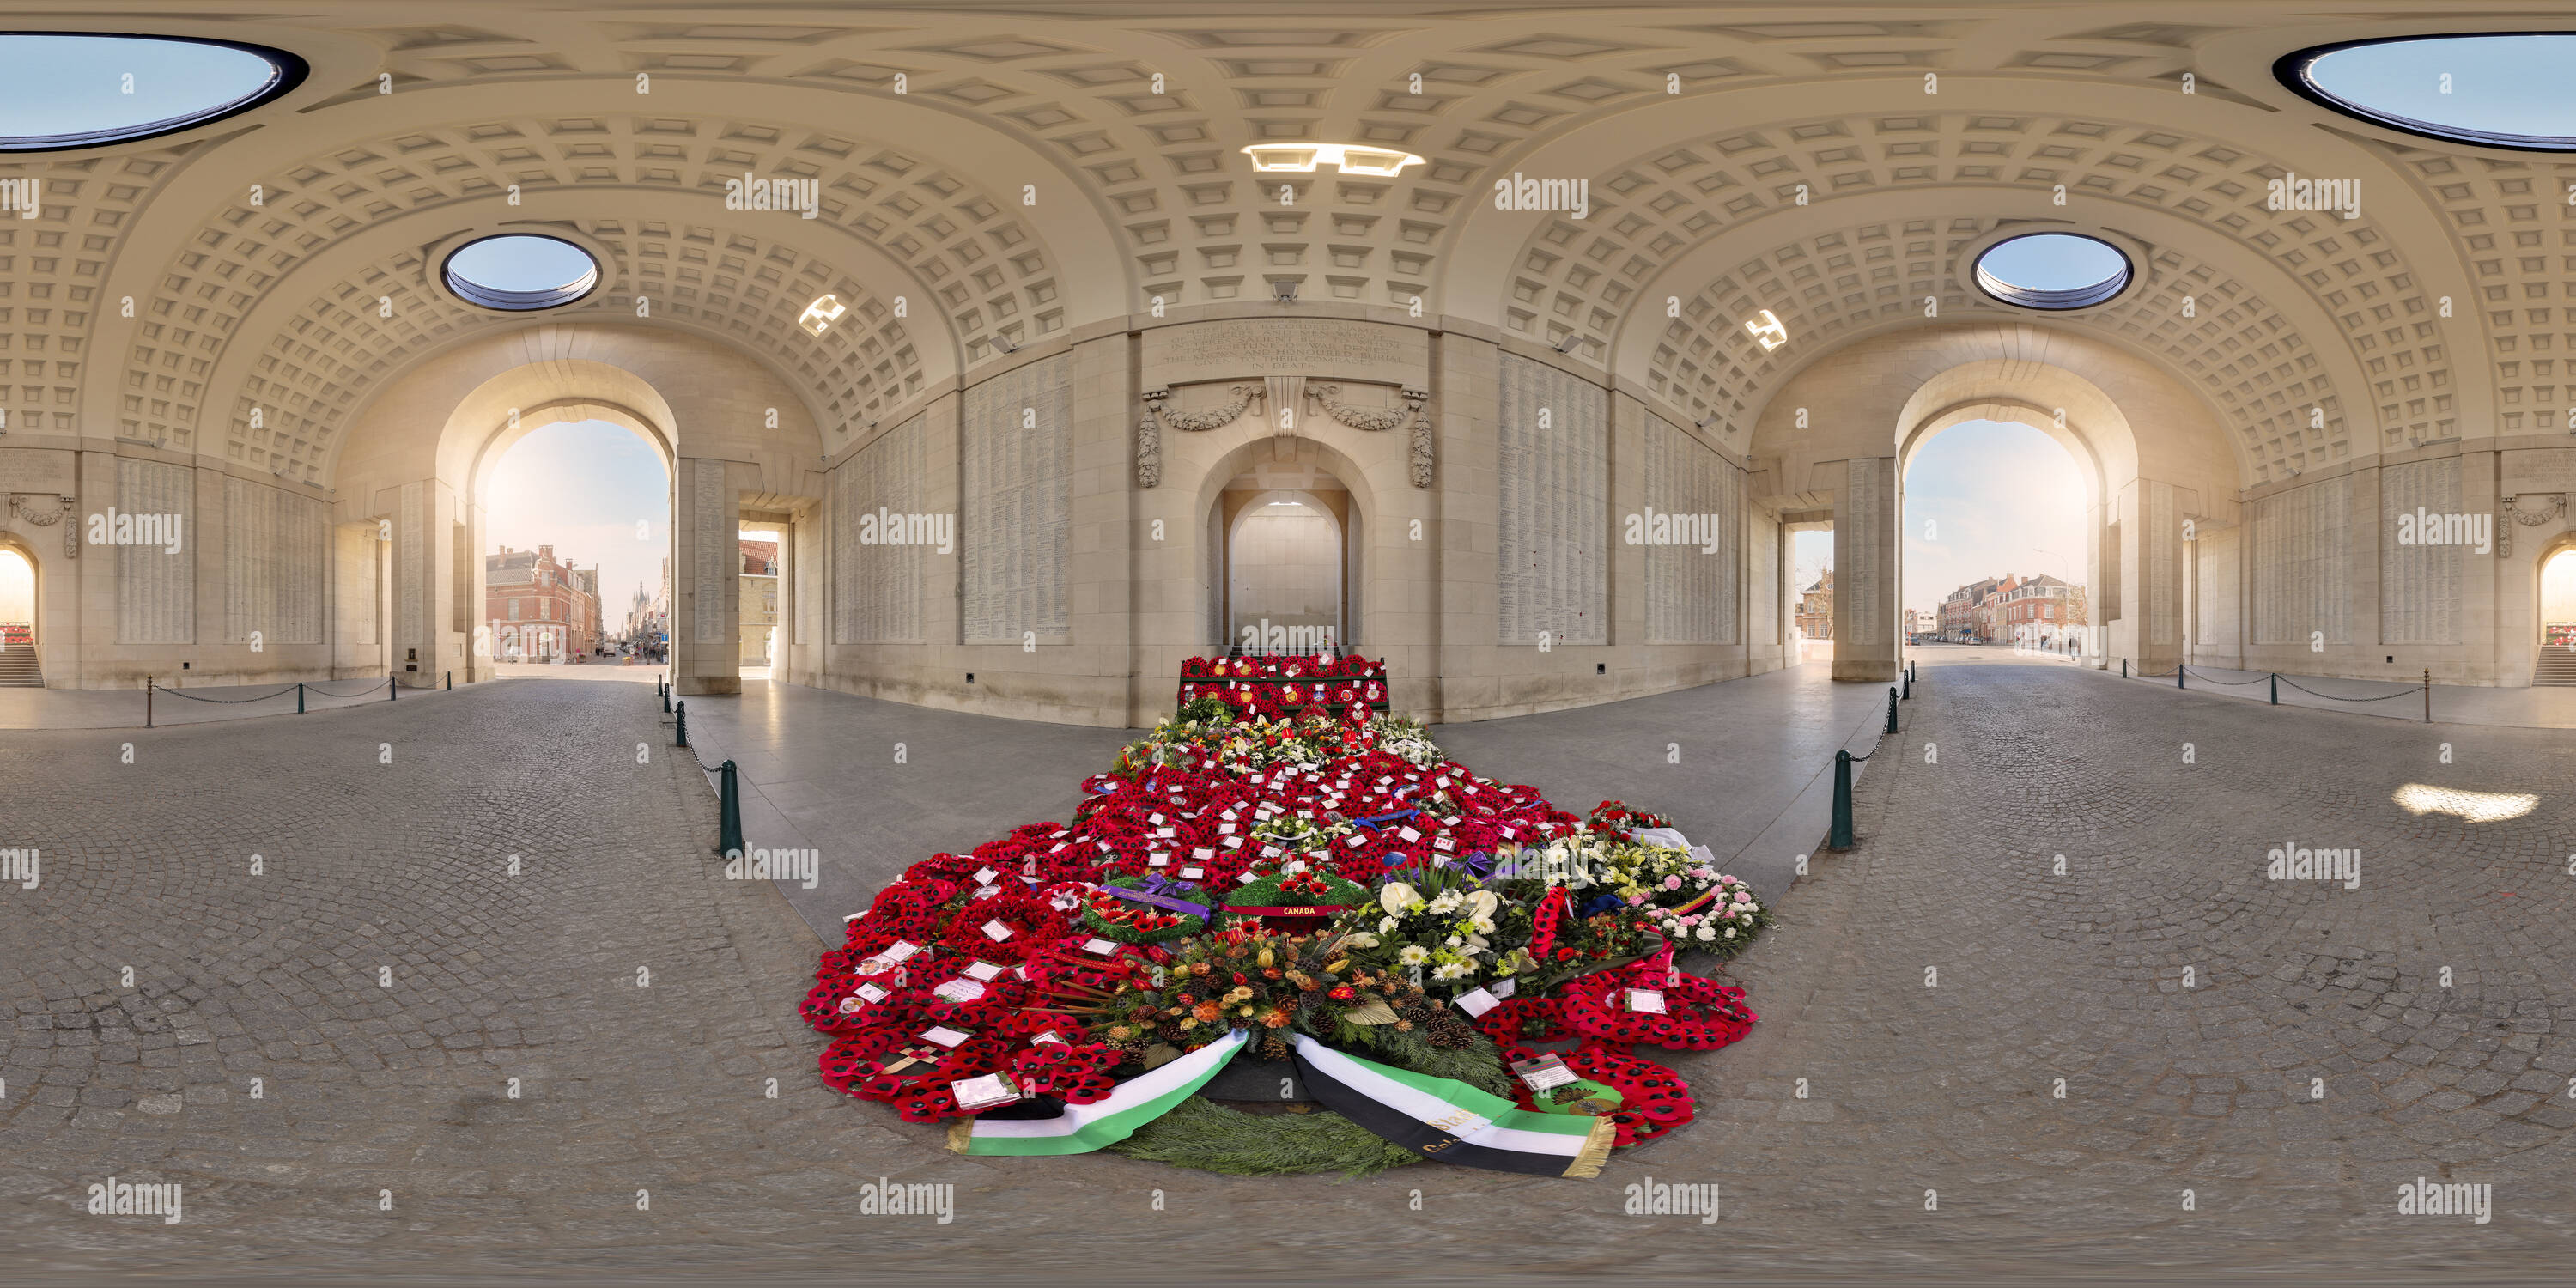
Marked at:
<point>1349,158</point>
<point>1567,344</point>
<point>1004,343</point>
<point>819,316</point>
<point>1767,329</point>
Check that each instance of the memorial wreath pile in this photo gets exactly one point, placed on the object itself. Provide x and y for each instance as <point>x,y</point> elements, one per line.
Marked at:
<point>1454,968</point>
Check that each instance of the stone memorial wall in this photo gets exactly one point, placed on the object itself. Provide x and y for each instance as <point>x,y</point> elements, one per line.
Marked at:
<point>2301,564</point>
<point>1553,517</point>
<point>1691,591</point>
<point>2419,583</point>
<point>879,586</point>
<point>716,551</point>
<point>274,564</point>
<point>1860,522</point>
<point>156,590</point>
<point>1016,528</point>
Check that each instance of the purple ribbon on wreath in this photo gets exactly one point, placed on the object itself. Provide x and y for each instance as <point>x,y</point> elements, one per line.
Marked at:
<point>1479,864</point>
<point>1162,891</point>
<point>1373,823</point>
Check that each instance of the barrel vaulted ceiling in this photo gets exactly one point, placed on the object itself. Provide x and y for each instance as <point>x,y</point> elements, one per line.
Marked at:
<point>1029,180</point>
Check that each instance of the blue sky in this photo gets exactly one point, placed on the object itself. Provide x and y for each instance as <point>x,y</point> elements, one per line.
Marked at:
<point>67,85</point>
<point>2499,84</point>
<point>583,486</point>
<point>2051,261</point>
<point>1983,498</point>
<point>520,262</point>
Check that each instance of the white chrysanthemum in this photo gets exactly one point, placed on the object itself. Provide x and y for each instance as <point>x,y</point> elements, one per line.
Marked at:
<point>1449,970</point>
<point>1414,955</point>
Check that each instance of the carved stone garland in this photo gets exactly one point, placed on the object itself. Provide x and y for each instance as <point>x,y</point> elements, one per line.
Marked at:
<point>1149,431</point>
<point>2509,514</point>
<point>21,505</point>
<point>1157,418</point>
<point>1412,412</point>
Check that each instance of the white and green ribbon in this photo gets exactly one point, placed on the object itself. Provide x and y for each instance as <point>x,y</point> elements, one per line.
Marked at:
<point>1080,1129</point>
<point>1451,1122</point>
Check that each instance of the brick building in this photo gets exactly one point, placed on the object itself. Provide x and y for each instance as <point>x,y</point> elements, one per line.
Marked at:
<point>2035,606</point>
<point>759,599</point>
<point>540,607</point>
<point>1992,610</point>
<point>1816,608</point>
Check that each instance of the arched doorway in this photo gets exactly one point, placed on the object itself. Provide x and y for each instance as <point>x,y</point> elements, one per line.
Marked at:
<point>1284,572</point>
<point>1996,546</point>
<point>20,665</point>
<point>2557,664</point>
<point>571,485</point>
<point>1284,557</point>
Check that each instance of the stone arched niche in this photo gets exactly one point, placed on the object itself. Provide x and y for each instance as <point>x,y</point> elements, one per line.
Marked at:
<point>1283,553</point>
<point>1329,486</point>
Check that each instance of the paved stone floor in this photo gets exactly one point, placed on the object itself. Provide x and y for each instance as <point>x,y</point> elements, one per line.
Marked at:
<point>2174,1082</point>
<point>818,770</point>
<point>2528,707</point>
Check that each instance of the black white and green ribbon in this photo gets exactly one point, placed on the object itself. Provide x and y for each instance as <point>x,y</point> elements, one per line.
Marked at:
<point>1449,1121</point>
<point>1081,1129</point>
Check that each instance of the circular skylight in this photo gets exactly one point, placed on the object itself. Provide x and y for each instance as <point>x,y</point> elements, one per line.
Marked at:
<point>520,271</point>
<point>62,90</point>
<point>2053,271</point>
<point>2499,91</point>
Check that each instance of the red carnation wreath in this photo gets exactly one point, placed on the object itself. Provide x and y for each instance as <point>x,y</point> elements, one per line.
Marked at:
<point>1700,1015</point>
<point>1652,1099</point>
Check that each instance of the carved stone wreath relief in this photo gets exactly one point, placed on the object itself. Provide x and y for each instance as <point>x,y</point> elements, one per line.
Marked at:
<point>34,508</point>
<point>1282,390</point>
<point>2509,512</point>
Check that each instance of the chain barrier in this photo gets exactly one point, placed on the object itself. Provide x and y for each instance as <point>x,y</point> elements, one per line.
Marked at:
<point>2410,689</point>
<point>183,693</point>
<point>371,686</point>
<point>2271,676</point>
<point>2235,684</point>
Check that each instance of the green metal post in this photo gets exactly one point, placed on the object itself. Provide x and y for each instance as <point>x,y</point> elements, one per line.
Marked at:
<point>728,813</point>
<point>1891,708</point>
<point>390,687</point>
<point>1841,838</point>
<point>2276,688</point>
<point>299,697</point>
<point>684,724</point>
<point>2178,675</point>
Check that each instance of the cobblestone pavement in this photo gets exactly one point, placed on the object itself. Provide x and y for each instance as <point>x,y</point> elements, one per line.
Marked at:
<point>2187,1002</point>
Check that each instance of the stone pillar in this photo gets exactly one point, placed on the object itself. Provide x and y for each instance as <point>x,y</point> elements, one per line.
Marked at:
<point>2151,553</point>
<point>424,584</point>
<point>2101,581</point>
<point>1866,571</point>
<point>706,581</point>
